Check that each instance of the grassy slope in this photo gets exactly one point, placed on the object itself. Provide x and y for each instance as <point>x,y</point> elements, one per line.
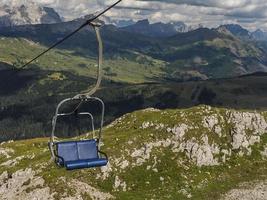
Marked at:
<point>32,107</point>
<point>137,69</point>
<point>198,54</point>
<point>218,58</point>
<point>59,74</point>
<point>181,177</point>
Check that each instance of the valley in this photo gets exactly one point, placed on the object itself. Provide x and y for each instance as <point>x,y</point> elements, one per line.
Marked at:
<point>132,81</point>
<point>29,98</point>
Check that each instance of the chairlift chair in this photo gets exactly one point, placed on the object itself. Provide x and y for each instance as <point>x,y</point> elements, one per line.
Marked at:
<point>82,153</point>
<point>78,154</point>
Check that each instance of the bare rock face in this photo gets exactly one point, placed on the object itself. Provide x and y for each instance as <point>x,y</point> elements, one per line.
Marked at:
<point>179,131</point>
<point>29,13</point>
<point>119,184</point>
<point>247,129</point>
<point>248,191</point>
<point>6,152</point>
<point>3,178</point>
<point>23,184</point>
<point>202,154</point>
<point>212,123</point>
<point>144,154</point>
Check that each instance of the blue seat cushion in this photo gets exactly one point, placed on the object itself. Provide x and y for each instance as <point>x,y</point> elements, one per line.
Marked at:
<point>68,151</point>
<point>80,164</point>
<point>87,149</point>
<point>79,154</point>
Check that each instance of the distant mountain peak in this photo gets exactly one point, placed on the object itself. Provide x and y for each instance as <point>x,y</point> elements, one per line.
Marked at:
<point>144,22</point>
<point>118,22</point>
<point>158,29</point>
<point>259,35</point>
<point>29,13</point>
<point>236,30</point>
<point>224,30</point>
<point>242,33</point>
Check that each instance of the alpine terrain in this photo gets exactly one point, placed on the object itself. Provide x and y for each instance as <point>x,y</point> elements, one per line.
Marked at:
<point>185,108</point>
<point>30,13</point>
<point>196,153</point>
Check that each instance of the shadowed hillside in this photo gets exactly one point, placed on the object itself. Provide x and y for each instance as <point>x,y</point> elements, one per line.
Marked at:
<point>32,106</point>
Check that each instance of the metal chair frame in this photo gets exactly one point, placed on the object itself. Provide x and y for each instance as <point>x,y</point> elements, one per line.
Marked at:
<point>82,98</point>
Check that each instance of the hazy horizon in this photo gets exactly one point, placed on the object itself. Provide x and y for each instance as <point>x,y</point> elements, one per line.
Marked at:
<point>249,14</point>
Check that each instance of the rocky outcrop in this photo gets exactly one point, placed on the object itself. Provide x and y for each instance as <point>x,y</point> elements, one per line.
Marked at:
<point>23,184</point>
<point>210,141</point>
<point>151,143</point>
<point>119,184</point>
<point>29,13</point>
<point>201,154</point>
<point>245,129</point>
<point>248,191</point>
<point>143,154</point>
<point>6,152</point>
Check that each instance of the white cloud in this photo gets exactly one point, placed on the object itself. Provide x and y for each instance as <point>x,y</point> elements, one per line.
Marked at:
<point>251,14</point>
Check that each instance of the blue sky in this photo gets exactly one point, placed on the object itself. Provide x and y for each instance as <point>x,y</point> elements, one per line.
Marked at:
<point>251,14</point>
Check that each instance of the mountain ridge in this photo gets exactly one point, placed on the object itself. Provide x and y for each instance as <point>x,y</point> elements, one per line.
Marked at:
<point>182,53</point>
<point>29,13</point>
<point>158,29</point>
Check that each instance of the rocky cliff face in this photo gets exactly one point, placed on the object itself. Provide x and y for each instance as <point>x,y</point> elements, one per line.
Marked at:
<point>29,13</point>
<point>200,152</point>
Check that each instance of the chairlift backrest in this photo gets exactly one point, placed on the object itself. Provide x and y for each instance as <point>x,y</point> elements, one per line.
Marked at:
<point>77,150</point>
